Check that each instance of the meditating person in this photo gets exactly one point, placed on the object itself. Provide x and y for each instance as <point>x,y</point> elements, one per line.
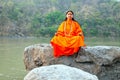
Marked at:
<point>69,37</point>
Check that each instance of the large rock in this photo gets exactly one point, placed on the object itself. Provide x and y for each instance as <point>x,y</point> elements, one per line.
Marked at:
<point>100,55</point>
<point>59,72</point>
<point>96,60</point>
<point>37,55</point>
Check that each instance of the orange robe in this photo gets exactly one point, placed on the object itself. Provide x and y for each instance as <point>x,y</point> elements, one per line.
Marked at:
<point>67,40</point>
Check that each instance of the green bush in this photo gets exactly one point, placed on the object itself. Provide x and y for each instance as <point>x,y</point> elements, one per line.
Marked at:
<point>47,31</point>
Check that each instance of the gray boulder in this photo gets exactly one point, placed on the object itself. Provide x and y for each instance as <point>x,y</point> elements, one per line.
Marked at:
<point>90,59</point>
<point>59,72</point>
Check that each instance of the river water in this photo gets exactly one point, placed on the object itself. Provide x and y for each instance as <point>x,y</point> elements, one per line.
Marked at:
<point>12,49</point>
<point>11,56</point>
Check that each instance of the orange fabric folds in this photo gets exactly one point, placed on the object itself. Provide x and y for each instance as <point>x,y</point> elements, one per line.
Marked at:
<point>67,40</point>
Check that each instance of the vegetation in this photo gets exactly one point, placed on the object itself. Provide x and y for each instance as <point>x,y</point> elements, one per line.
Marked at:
<point>42,17</point>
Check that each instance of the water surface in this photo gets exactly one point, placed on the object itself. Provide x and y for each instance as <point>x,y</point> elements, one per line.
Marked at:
<point>11,56</point>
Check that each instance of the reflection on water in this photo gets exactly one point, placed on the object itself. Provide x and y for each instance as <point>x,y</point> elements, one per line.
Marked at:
<point>11,54</point>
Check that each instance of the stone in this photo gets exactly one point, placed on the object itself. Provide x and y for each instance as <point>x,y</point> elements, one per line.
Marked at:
<point>101,55</point>
<point>59,72</point>
<point>93,59</point>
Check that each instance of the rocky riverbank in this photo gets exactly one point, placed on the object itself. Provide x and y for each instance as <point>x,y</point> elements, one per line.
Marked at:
<point>103,61</point>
